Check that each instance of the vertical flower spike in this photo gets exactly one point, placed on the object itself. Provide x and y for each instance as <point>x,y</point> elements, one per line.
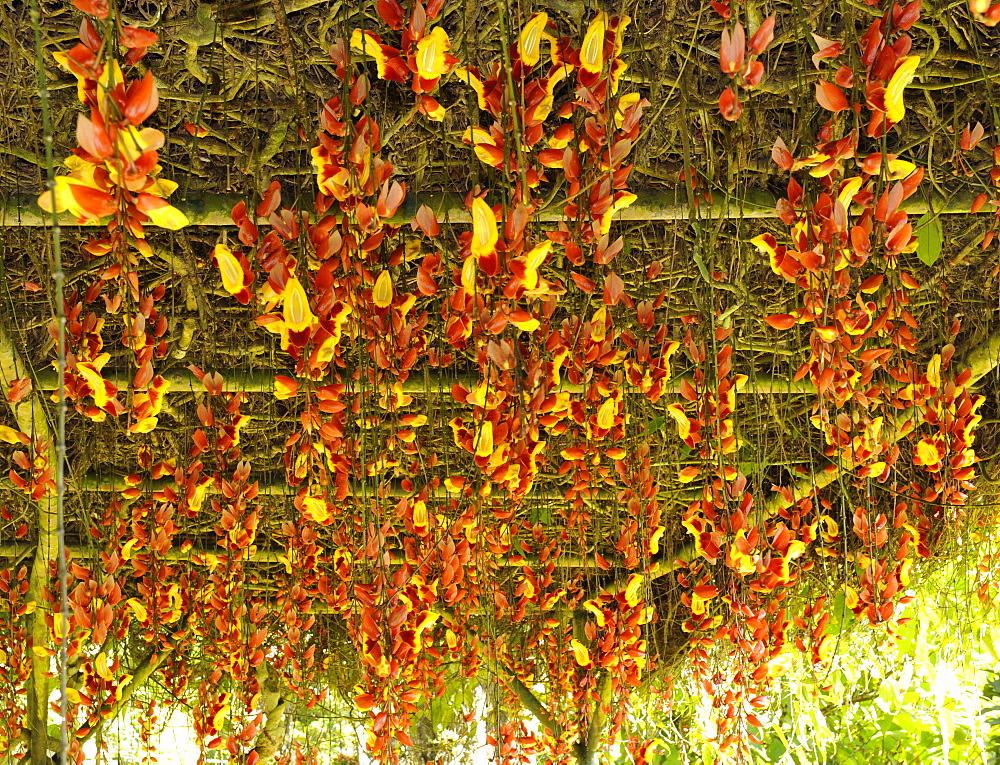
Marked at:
<point>530,41</point>
<point>592,52</point>
<point>484,229</point>
<point>895,109</point>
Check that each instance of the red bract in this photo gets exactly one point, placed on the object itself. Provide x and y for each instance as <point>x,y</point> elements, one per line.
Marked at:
<point>827,49</point>
<point>93,138</point>
<point>732,50</point>
<point>426,221</point>
<point>97,8</point>
<point>763,36</point>
<point>781,156</point>
<point>141,99</point>
<point>844,76</point>
<point>722,9</point>
<point>971,136</point>
<point>907,16</point>
<point>780,321</point>
<point>134,37</point>
<point>729,105</point>
<point>830,97</point>
<point>391,12</point>
<point>752,74</point>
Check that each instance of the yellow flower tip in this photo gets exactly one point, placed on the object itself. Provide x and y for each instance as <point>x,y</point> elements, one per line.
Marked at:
<point>592,52</point>
<point>606,414</point>
<point>295,307</point>
<point>484,229</point>
<point>431,50</point>
<point>382,294</point>
<point>580,653</point>
<point>895,109</point>
<point>529,43</point>
<point>229,268</point>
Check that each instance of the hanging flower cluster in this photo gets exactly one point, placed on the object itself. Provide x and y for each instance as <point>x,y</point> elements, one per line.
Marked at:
<point>114,173</point>
<point>417,553</point>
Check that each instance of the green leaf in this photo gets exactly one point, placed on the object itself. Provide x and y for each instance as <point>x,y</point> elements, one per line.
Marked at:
<point>930,238</point>
<point>654,425</point>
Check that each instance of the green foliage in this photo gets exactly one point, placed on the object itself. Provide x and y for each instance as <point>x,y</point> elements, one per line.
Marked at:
<point>928,694</point>
<point>930,238</point>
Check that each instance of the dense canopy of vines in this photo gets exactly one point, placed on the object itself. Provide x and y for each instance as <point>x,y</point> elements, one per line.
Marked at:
<point>579,350</point>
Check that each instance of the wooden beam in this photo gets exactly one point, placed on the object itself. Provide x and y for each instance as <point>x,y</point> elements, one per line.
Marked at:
<point>262,381</point>
<point>266,555</point>
<point>663,205</point>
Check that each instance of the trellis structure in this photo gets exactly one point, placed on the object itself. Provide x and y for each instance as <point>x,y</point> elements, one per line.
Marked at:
<point>562,411</point>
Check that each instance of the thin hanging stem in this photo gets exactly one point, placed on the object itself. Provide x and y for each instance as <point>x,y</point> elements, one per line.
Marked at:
<point>58,278</point>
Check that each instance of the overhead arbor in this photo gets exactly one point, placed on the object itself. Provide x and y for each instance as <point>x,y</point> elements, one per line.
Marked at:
<point>550,349</point>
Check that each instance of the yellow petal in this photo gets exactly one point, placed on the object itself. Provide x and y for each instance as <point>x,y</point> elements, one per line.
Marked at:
<point>850,596</point>
<point>624,199</point>
<point>654,539</point>
<point>95,381</point>
<point>680,417</point>
<point>229,268</point>
<point>431,54</point>
<point>428,618</point>
<point>9,435</point>
<point>138,609</point>
<point>285,387</point>
<point>529,42</point>
<point>927,453</point>
<point>59,626</point>
<point>484,444</point>
<point>848,189</point>
<point>477,85</point>
<point>528,325</point>
<point>469,274</point>
<point>606,414</point>
<point>316,509</point>
<point>895,109</point>
<point>168,217</point>
<point>420,514</point>
<point>484,228</point>
<point>580,652</point>
<point>533,260</point>
<point>365,43</point>
<point>101,666</point>
<point>592,52</point>
<point>296,311</point>
<point>632,589</point>
<point>382,294</point>
<point>899,169</point>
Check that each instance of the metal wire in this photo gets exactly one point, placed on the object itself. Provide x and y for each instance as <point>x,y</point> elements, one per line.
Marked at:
<point>58,278</point>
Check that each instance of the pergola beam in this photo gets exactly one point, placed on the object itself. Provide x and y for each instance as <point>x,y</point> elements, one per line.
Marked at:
<point>671,204</point>
<point>262,381</point>
<point>14,550</point>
